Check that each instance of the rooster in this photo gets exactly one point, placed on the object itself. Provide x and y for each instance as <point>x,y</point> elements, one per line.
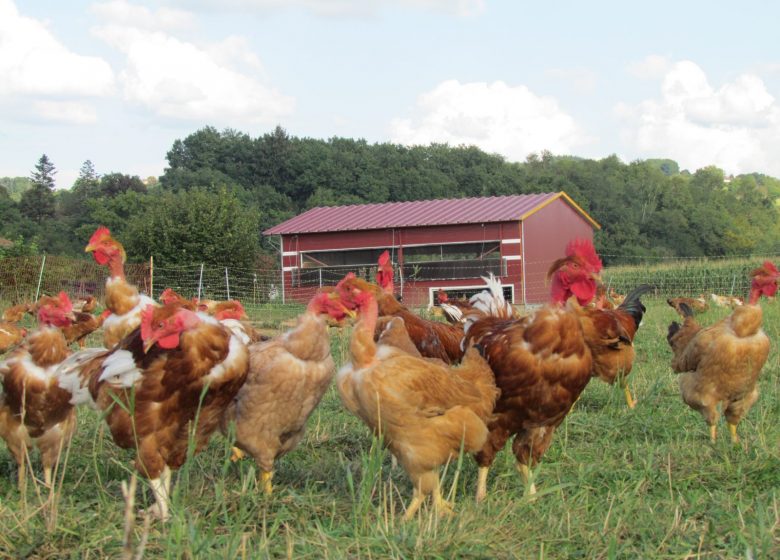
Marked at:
<point>425,410</point>
<point>122,298</point>
<point>433,339</point>
<point>453,309</point>
<point>287,378</point>
<point>543,362</point>
<point>33,409</point>
<point>720,364</point>
<point>177,368</point>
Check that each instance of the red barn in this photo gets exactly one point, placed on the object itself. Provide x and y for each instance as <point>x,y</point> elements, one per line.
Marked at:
<point>434,244</point>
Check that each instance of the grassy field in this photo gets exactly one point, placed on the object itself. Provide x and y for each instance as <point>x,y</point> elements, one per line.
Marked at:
<point>615,483</point>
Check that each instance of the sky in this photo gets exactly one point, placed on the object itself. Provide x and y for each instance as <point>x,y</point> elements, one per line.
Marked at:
<point>117,82</point>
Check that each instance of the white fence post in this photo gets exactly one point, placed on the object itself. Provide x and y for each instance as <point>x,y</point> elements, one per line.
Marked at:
<point>200,281</point>
<point>227,283</point>
<point>40,278</point>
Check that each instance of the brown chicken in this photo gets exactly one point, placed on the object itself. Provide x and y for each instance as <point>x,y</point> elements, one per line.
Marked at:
<point>727,301</point>
<point>122,298</point>
<point>426,411</point>
<point>34,411</point>
<point>15,313</point>
<point>433,339</point>
<point>699,305</point>
<point>83,325</point>
<point>10,335</point>
<point>288,375</point>
<point>720,364</point>
<point>178,366</point>
<point>543,362</point>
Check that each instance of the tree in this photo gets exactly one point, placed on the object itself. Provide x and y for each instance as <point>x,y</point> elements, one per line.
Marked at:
<point>194,226</point>
<point>38,202</point>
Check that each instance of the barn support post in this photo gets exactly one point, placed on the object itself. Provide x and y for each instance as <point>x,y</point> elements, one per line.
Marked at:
<point>522,257</point>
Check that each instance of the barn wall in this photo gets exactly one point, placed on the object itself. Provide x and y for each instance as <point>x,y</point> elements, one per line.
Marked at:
<point>415,293</point>
<point>546,234</point>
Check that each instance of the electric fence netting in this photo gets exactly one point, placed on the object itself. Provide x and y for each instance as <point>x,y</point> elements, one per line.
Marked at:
<point>27,278</point>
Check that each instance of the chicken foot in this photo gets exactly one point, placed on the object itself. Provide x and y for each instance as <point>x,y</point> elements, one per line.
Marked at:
<point>630,401</point>
<point>265,478</point>
<point>528,477</point>
<point>161,489</point>
<point>442,506</point>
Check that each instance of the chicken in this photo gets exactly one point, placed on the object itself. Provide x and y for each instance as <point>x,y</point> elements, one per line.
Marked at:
<point>425,411</point>
<point>433,339</point>
<point>720,364</point>
<point>615,297</point>
<point>727,301</point>
<point>34,411</point>
<point>15,313</point>
<point>87,304</point>
<point>83,325</point>
<point>543,362</point>
<point>168,295</point>
<point>231,314</point>
<point>287,378</point>
<point>698,305</point>
<point>122,298</point>
<point>177,368</point>
<point>10,335</point>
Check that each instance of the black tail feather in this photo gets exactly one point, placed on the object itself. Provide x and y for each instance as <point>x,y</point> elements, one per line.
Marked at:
<point>686,310</point>
<point>674,328</point>
<point>633,305</point>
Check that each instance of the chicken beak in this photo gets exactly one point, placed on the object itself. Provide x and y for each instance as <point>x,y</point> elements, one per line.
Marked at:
<point>89,248</point>
<point>148,344</point>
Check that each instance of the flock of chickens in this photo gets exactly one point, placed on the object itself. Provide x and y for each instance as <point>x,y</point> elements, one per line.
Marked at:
<point>171,373</point>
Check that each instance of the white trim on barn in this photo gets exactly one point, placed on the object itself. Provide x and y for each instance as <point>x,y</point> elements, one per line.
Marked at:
<point>511,241</point>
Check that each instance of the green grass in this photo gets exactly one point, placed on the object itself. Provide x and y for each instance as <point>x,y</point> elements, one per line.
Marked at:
<point>615,483</point>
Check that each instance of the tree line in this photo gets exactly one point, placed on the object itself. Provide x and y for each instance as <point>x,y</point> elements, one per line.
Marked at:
<point>222,188</point>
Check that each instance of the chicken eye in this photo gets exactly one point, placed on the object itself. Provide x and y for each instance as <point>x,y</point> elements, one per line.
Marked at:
<point>160,325</point>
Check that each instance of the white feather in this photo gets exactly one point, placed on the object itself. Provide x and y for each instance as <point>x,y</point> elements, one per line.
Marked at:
<point>120,370</point>
<point>454,313</point>
<point>237,329</point>
<point>235,350</point>
<point>68,375</point>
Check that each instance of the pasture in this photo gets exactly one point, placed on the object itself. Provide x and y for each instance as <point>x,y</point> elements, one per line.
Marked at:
<point>616,483</point>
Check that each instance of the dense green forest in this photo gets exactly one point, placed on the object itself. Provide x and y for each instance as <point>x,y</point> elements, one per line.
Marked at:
<point>222,188</point>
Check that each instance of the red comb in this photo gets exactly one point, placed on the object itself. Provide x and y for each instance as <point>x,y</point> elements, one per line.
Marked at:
<point>99,234</point>
<point>584,249</point>
<point>384,275</point>
<point>67,306</point>
<point>771,268</point>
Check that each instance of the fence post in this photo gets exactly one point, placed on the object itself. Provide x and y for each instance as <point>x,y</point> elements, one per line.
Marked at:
<point>733,282</point>
<point>200,281</point>
<point>320,269</point>
<point>227,283</point>
<point>40,278</point>
<point>151,276</point>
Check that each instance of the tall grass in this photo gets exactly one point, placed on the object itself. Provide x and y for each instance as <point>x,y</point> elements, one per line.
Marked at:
<point>615,483</point>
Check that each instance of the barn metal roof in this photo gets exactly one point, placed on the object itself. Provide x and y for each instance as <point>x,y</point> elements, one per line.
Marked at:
<point>422,213</point>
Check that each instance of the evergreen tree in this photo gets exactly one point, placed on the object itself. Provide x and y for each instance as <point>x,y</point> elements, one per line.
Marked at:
<point>37,203</point>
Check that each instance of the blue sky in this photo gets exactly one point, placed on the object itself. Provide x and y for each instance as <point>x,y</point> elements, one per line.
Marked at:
<point>118,81</point>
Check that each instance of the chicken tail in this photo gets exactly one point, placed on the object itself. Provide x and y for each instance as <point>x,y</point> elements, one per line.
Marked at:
<point>453,313</point>
<point>685,310</point>
<point>490,303</point>
<point>674,328</point>
<point>633,305</point>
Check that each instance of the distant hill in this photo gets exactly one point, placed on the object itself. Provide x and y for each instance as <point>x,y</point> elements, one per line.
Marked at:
<point>16,186</point>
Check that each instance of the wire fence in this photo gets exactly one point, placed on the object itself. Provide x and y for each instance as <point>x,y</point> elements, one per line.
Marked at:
<point>26,278</point>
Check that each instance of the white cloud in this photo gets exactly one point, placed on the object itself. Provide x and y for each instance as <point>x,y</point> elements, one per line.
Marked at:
<point>512,121</point>
<point>66,111</point>
<point>335,8</point>
<point>652,67</point>
<point>133,15</point>
<point>33,61</point>
<point>736,126</point>
<point>178,79</point>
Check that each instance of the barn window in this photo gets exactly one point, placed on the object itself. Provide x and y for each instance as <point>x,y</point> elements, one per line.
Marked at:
<point>452,261</point>
<point>324,268</point>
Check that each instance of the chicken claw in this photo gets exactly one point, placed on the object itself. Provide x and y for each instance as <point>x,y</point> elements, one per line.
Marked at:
<point>733,430</point>
<point>265,478</point>
<point>629,399</point>
<point>237,454</point>
<point>482,483</point>
<point>713,433</point>
<point>525,472</point>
